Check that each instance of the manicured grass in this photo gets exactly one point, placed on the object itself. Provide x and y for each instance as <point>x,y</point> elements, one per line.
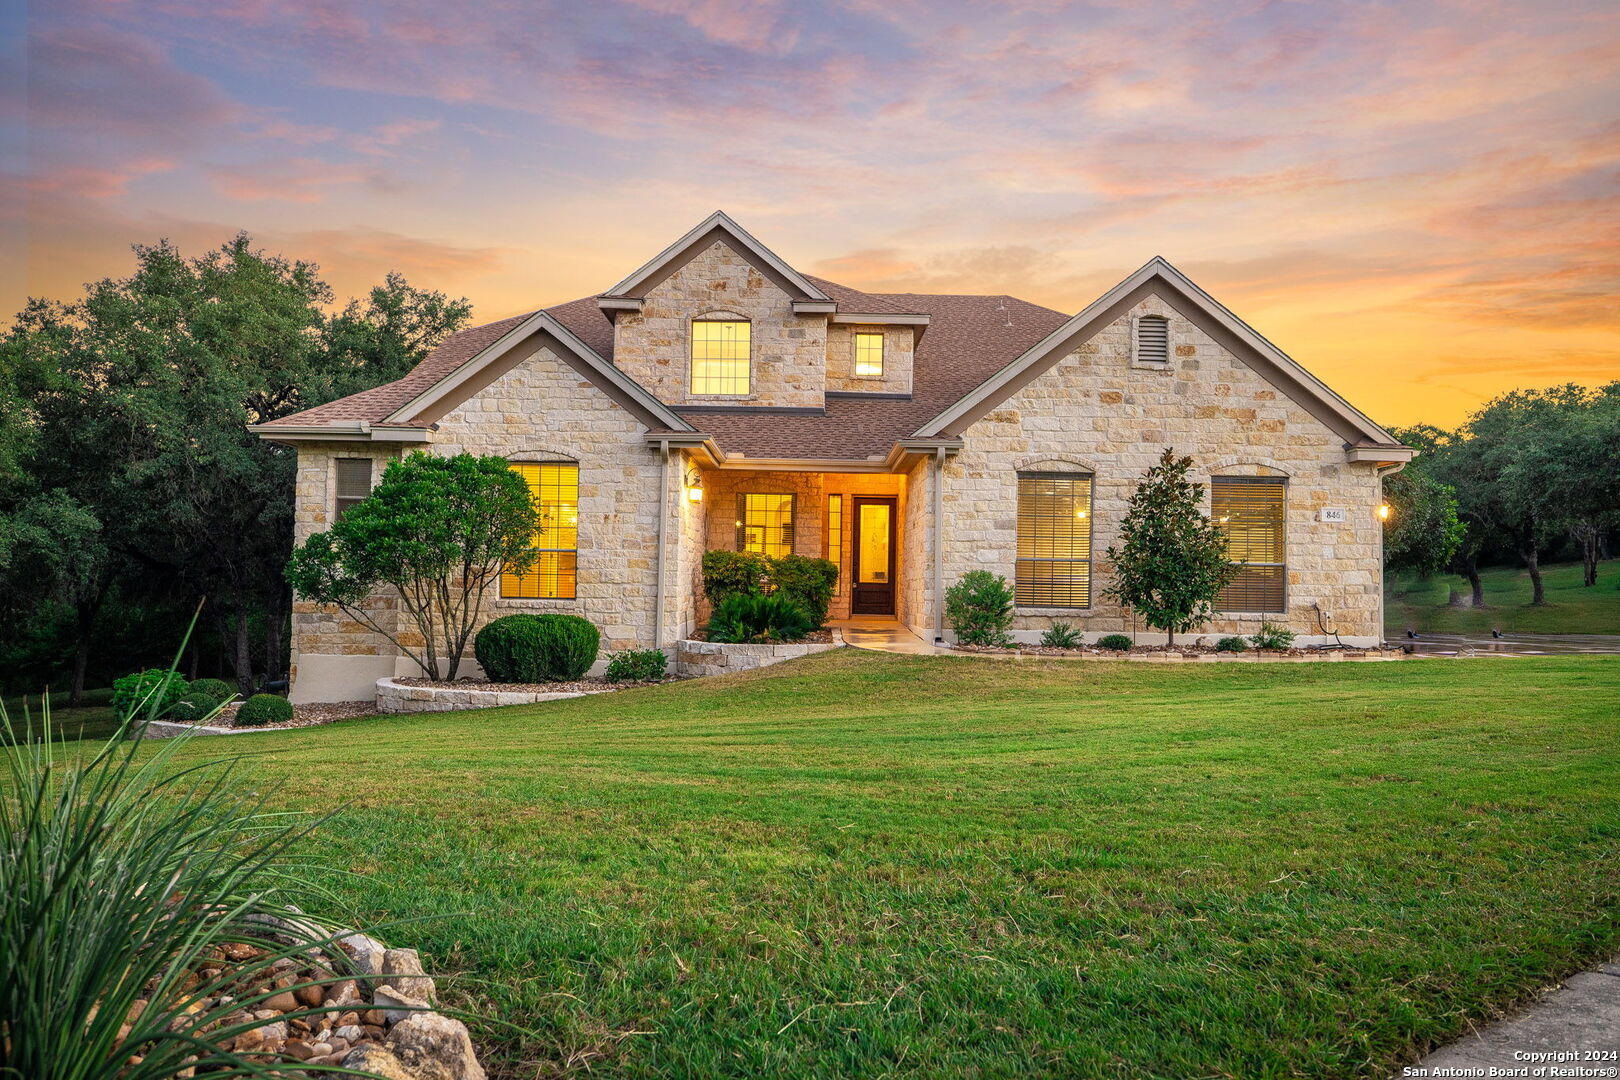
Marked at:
<point>93,718</point>
<point>1422,604</point>
<point>870,865</point>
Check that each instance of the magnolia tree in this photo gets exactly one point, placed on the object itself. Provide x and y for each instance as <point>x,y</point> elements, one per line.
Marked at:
<point>439,531</point>
<point>1170,563</point>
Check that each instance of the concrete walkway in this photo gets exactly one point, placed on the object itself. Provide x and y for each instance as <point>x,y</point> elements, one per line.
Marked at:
<point>1582,1016</point>
<point>882,634</point>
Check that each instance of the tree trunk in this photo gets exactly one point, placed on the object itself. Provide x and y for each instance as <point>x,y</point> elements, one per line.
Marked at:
<point>1586,534</point>
<point>1476,587</point>
<point>81,659</point>
<point>84,622</point>
<point>244,654</point>
<point>275,614</point>
<point>1532,563</point>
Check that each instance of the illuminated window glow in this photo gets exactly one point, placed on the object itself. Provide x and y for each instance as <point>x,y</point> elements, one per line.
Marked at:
<point>1250,509</point>
<point>554,489</point>
<point>869,356</point>
<point>720,358</point>
<point>835,536</point>
<point>1054,541</point>
<point>765,524</point>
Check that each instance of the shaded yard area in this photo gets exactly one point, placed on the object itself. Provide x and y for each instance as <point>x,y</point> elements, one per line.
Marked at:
<point>866,865</point>
<point>1571,608</point>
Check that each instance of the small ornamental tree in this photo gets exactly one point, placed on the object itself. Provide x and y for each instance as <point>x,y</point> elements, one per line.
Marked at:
<point>1170,563</point>
<point>439,531</point>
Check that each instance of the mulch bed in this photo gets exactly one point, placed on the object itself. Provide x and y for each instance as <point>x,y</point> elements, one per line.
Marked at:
<point>1137,650</point>
<point>311,715</point>
<point>814,637</point>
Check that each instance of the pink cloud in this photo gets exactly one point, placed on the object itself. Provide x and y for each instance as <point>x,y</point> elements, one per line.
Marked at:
<point>298,179</point>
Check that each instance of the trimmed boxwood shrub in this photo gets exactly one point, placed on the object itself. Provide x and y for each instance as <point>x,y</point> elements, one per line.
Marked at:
<point>755,620</point>
<point>217,689</point>
<point>262,709</point>
<point>637,665</point>
<point>980,608</point>
<point>136,692</point>
<point>1231,644</point>
<point>1116,642</point>
<point>536,648</point>
<point>192,707</point>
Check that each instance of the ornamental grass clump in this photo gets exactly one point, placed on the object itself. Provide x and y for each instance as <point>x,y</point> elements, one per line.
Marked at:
<point>1231,644</point>
<point>1273,636</point>
<point>1061,635</point>
<point>125,873</point>
<point>758,620</point>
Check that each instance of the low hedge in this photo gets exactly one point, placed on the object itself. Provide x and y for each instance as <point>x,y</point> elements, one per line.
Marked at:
<point>262,709</point>
<point>217,689</point>
<point>537,648</point>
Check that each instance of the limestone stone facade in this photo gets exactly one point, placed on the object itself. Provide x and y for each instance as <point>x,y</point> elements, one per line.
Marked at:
<point>654,490</point>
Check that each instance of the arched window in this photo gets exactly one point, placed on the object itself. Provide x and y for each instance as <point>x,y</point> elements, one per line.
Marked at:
<point>720,356</point>
<point>554,490</point>
<point>1153,340</point>
<point>1053,569</point>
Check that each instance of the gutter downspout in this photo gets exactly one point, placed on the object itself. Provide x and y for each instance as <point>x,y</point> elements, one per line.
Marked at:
<point>1381,472</point>
<point>939,544</point>
<point>663,516</point>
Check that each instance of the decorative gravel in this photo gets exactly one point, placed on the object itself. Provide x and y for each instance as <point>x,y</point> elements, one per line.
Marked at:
<point>311,715</point>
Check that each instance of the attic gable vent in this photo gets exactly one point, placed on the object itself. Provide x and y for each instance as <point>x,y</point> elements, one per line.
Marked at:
<point>1153,340</point>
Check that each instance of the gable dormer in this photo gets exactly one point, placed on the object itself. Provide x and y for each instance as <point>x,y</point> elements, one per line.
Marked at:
<point>717,319</point>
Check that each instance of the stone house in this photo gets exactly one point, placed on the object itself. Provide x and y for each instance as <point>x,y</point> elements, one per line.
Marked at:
<point>719,398</point>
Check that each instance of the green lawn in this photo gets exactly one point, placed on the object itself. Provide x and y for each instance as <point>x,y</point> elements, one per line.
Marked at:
<point>1571,608</point>
<point>869,865</point>
<point>93,718</point>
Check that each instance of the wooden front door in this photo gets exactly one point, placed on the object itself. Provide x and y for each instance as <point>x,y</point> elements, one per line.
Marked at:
<point>873,571</point>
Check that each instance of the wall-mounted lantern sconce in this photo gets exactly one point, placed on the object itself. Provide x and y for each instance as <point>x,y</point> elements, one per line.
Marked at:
<point>694,486</point>
<point>1383,511</point>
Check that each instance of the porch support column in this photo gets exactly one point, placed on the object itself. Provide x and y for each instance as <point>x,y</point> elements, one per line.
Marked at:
<point>663,530</point>
<point>939,544</point>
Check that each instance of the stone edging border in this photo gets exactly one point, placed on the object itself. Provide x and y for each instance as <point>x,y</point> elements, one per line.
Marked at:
<point>1359,656</point>
<point>699,658</point>
<point>395,698</point>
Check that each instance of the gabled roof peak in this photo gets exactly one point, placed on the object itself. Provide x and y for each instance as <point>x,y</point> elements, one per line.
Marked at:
<point>718,225</point>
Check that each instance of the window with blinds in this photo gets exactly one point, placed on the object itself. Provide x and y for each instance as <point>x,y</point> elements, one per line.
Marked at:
<point>765,524</point>
<point>869,356</point>
<point>1153,339</point>
<point>1053,568</point>
<point>353,483</point>
<point>1251,510</point>
<point>554,490</point>
<point>835,537</point>
<point>720,358</point>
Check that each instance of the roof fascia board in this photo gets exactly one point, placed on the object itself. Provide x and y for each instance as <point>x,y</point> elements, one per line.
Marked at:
<point>657,268</point>
<point>340,431</point>
<point>575,352</point>
<point>881,318</point>
<point>1382,455</point>
<point>1240,338</point>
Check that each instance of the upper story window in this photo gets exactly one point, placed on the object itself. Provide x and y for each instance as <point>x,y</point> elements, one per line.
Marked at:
<point>554,490</point>
<point>1153,340</point>
<point>765,524</point>
<point>720,357</point>
<point>1250,509</point>
<point>1054,541</point>
<point>869,355</point>
<point>353,483</point>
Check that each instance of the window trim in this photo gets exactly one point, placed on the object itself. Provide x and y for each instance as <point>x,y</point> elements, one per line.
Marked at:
<point>1257,481</point>
<point>692,357</point>
<point>791,528</point>
<point>855,371</point>
<point>1136,342</point>
<point>574,551</point>
<point>1090,560</point>
<point>338,498</point>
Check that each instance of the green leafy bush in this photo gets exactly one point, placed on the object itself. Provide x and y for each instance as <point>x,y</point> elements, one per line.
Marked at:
<point>637,665</point>
<point>136,693</point>
<point>262,709</point>
<point>568,646</point>
<point>193,707</point>
<point>218,690</point>
<point>1116,642</point>
<point>806,581</point>
<point>980,608</point>
<point>1231,644</point>
<point>1061,635</point>
<point>1272,636</point>
<point>508,649</point>
<point>537,648</point>
<point>734,573</point>
<point>751,620</point>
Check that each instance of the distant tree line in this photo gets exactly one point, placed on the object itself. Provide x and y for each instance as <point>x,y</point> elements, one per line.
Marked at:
<point>129,485</point>
<point>1533,475</point>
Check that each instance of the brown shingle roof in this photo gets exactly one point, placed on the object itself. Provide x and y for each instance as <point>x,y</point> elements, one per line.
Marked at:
<point>967,340</point>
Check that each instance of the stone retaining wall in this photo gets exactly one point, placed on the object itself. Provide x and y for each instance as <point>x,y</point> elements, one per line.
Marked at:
<point>714,658</point>
<point>394,698</point>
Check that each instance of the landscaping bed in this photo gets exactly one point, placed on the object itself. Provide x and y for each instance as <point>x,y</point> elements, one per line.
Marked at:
<point>312,714</point>
<point>1186,652</point>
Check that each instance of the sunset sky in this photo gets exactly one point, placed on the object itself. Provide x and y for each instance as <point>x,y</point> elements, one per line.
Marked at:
<point>1416,200</point>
